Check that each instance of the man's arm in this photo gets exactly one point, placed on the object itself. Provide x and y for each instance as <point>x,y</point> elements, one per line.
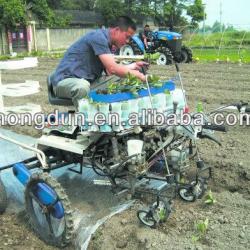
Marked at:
<point>114,68</point>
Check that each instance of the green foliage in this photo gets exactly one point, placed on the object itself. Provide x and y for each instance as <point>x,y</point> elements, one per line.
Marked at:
<point>226,55</point>
<point>151,57</point>
<point>78,4</point>
<point>17,12</point>
<point>43,12</point>
<point>12,12</point>
<point>173,13</point>
<point>131,84</point>
<point>143,7</point>
<point>210,200</point>
<point>200,230</point>
<point>162,214</point>
<point>110,9</point>
<point>196,11</point>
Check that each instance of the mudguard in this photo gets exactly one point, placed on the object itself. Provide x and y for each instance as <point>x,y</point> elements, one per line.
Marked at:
<point>167,35</point>
<point>138,42</point>
<point>44,193</point>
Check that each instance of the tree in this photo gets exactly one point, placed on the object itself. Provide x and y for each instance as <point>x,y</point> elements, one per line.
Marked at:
<point>142,8</point>
<point>217,27</point>
<point>110,9</point>
<point>197,12</point>
<point>12,12</point>
<point>173,13</point>
<point>230,28</point>
<point>42,11</point>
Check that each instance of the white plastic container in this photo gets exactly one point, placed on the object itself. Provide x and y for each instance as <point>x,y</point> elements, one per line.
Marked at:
<point>179,97</point>
<point>133,106</point>
<point>116,107</point>
<point>104,108</point>
<point>134,147</point>
<point>169,103</point>
<point>125,106</point>
<point>159,102</point>
<point>83,105</point>
<point>92,111</point>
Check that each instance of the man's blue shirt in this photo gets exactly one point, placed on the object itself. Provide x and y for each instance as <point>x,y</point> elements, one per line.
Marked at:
<point>81,59</point>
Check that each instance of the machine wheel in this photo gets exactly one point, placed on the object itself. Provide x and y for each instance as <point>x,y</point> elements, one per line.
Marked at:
<point>162,211</point>
<point>52,230</point>
<point>192,192</point>
<point>127,50</point>
<point>157,213</point>
<point>3,198</point>
<point>166,57</point>
<point>146,217</point>
<point>186,54</point>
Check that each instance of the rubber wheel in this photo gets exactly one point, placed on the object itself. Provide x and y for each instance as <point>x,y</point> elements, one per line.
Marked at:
<point>166,57</point>
<point>3,198</point>
<point>191,194</point>
<point>186,54</point>
<point>163,208</point>
<point>146,218</point>
<point>126,50</point>
<point>53,231</point>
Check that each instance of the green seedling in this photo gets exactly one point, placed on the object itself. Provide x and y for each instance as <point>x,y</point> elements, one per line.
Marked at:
<point>152,57</point>
<point>131,84</point>
<point>201,229</point>
<point>167,92</point>
<point>210,200</point>
<point>162,214</point>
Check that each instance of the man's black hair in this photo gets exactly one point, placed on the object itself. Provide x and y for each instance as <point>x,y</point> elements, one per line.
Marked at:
<point>146,26</point>
<point>124,22</point>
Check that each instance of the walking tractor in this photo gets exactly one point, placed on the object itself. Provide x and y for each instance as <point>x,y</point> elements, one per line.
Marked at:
<point>146,158</point>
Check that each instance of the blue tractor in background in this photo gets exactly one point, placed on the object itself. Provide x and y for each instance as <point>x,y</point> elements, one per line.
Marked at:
<point>168,44</point>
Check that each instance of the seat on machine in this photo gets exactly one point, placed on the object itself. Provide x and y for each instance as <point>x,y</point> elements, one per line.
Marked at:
<point>53,99</point>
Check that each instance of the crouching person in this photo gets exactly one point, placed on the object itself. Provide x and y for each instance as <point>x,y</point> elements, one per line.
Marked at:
<point>84,62</point>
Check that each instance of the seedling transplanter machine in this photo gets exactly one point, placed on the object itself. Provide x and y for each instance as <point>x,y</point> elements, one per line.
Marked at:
<point>160,160</point>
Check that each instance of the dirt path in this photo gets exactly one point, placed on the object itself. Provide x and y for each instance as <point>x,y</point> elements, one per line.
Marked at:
<point>229,221</point>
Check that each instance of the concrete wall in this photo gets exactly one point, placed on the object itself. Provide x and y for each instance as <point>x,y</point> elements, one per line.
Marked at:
<point>56,39</point>
<point>4,49</point>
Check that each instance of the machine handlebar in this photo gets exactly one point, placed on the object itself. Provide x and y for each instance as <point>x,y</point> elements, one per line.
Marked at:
<point>215,127</point>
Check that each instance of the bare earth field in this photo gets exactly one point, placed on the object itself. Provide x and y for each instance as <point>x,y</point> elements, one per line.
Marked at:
<point>229,218</point>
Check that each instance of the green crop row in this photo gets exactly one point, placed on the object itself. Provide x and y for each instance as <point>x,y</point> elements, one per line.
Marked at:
<point>227,39</point>
<point>227,55</point>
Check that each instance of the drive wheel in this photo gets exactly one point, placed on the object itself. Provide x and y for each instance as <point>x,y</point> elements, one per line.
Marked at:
<point>3,198</point>
<point>186,54</point>
<point>165,58</point>
<point>53,222</point>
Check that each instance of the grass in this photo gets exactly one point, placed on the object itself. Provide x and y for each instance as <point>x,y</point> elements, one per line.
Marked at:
<point>227,47</point>
<point>226,55</point>
<point>56,54</point>
<point>227,39</point>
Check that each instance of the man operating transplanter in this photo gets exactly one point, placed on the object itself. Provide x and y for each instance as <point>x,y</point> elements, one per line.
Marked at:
<point>85,61</point>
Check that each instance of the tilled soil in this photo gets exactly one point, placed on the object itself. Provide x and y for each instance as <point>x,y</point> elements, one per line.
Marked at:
<point>229,221</point>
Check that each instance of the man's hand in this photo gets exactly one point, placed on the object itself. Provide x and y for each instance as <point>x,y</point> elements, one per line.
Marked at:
<point>138,65</point>
<point>142,64</point>
<point>113,68</point>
